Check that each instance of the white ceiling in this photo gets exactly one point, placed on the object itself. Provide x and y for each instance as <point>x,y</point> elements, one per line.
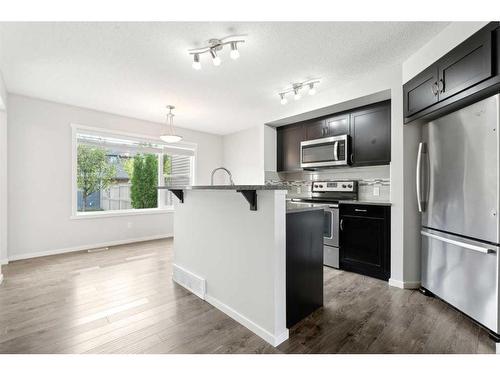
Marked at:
<point>135,69</point>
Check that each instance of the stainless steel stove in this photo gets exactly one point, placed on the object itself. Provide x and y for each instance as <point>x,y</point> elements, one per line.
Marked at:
<point>327,194</point>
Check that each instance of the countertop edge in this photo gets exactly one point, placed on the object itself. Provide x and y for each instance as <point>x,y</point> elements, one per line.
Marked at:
<point>224,187</point>
<point>367,203</point>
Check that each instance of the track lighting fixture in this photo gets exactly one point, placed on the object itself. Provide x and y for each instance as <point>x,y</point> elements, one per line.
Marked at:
<point>196,62</point>
<point>296,94</point>
<point>215,58</point>
<point>234,51</point>
<point>312,90</point>
<point>295,89</point>
<point>214,47</point>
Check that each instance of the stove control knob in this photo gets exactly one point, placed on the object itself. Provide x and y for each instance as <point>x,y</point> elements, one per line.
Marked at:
<point>344,186</point>
<point>350,185</point>
<point>321,186</point>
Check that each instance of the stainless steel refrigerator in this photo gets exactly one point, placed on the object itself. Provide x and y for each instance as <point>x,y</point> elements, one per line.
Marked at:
<point>458,194</point>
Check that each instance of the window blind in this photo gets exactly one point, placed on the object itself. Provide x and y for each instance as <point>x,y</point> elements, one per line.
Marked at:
<point>180,174</point>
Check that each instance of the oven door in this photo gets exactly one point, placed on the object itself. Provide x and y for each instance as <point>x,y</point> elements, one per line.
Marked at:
<point>331,226</point>
<point>324,152</point>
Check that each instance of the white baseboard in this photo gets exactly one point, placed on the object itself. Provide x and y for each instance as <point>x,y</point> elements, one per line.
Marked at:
<point>197,285</point>
<point>404,284</point>
<point>194,283</point>
<point>87,247</point>
<point>274,340</point>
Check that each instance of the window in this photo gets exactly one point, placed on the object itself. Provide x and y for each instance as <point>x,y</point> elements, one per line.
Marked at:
<point>120,173</point>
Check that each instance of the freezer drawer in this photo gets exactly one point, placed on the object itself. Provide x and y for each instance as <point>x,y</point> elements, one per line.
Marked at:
<point>463,273</point>
<point>331,256</point>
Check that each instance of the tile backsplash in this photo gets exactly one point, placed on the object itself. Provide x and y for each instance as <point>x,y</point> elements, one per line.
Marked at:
<point>370,179</point>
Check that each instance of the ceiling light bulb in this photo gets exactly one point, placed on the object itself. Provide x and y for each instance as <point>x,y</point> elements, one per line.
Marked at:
<point>196,62</point>
<point>283,99</point>
<point>215,58</point>
<point>296,94</point>
<point>312,90</point>
<point>234,51</point>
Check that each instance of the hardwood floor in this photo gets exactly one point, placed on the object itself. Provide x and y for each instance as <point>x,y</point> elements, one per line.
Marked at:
<point>124,301</point>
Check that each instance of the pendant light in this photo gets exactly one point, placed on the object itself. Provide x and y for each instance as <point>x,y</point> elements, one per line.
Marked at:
<point>169,135</point>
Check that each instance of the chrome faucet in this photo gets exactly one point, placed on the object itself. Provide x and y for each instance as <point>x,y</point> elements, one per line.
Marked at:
<point>224,169</point>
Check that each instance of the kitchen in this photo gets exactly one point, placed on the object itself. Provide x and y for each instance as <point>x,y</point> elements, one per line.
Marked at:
<point>353,215</point>
<point>356,227</point>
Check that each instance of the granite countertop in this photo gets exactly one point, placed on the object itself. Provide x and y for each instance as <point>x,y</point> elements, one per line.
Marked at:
<point>225,187</point>
<point>368,203</point>
<point>299,207</point>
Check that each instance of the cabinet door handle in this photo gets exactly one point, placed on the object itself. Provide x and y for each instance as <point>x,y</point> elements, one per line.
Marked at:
<point>434,88</point>
<point>342,224</point>
<point>441,85</point>
<point>352,158</point>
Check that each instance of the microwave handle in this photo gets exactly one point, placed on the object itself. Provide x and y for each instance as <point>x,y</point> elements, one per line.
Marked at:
<point>336,150</point>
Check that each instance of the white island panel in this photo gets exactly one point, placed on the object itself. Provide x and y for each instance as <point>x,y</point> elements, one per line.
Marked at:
<point>239,253</point>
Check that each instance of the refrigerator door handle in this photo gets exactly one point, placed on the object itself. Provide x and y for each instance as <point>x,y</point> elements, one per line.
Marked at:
<point>481,249</point>
<point>421,150</point>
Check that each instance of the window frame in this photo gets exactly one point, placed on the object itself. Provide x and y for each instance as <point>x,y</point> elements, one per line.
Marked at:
<point>162,208</point>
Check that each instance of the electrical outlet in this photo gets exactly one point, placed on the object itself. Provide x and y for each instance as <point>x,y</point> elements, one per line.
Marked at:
<point>376,191</point>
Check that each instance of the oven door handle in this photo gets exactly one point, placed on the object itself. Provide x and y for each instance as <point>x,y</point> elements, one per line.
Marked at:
<point>336,150</point>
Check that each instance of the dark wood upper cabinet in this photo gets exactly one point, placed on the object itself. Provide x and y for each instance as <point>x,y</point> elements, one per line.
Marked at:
<point>337,125</point>
<point>369,128</point>
<point>371,135</point>
<point>421,92</point>
<point>468,73</point>
<point>465,66</point>
<point>288,147</point>
<point>315,129</point>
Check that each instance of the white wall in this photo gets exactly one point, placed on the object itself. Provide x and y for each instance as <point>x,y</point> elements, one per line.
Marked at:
<point>270,151</point>
<point>3,174</point>
<point>39,178</point>
<point>243,155</point>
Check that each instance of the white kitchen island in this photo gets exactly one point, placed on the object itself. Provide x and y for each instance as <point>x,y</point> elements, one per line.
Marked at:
<point>229,249</point>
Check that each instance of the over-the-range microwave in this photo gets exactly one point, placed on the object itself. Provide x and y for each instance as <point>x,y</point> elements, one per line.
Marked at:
<point>325,152</point>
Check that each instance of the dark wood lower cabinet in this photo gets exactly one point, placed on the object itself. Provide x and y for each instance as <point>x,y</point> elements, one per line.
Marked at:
<point>304,264</point>
<point>364,237</point>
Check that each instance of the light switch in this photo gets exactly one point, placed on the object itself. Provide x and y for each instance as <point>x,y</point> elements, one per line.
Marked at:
<point>376,191</point>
